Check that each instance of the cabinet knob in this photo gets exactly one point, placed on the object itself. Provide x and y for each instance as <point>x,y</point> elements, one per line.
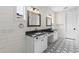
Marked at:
<point>36,37</point>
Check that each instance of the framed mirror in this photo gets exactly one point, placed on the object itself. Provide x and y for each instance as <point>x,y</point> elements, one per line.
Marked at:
<point>48,21</point>
<point>34,19</point>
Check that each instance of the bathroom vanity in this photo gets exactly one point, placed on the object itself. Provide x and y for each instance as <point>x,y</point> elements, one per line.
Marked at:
<point>37,41</point>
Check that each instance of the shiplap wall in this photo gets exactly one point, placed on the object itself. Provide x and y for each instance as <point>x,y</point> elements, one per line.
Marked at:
<point>12,38</point>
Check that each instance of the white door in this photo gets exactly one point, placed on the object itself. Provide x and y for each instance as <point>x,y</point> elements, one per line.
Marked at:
<point>77,40</point>
<point>71,24</point>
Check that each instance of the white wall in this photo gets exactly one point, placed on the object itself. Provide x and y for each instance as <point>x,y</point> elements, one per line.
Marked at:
<point>60,23</point>
<point>44,12</point>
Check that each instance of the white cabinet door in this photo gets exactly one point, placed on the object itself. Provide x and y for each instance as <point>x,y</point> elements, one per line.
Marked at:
<point>40,44</point>
<point>43,43</point>
<point>37,45</point>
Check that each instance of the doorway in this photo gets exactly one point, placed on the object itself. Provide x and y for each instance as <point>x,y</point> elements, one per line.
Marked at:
<point>71,24</point>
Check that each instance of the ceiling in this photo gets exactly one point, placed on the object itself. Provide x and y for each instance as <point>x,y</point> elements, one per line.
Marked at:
<point>61,8</point>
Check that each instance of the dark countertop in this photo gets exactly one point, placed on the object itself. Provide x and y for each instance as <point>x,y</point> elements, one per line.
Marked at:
<point>38,32</point>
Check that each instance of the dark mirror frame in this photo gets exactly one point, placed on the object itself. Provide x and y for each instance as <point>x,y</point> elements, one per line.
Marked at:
<point>47,21</point>
<point>33,25</point>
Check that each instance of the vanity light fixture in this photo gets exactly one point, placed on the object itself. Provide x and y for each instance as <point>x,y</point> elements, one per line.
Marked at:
<point>34,10</point>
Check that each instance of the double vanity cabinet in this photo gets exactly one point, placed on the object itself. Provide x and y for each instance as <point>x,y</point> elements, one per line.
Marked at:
<point>37,41</point>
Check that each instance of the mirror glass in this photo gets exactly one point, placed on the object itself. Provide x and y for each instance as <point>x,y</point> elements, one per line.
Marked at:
<point>34,19</point>
<point>48,21</point>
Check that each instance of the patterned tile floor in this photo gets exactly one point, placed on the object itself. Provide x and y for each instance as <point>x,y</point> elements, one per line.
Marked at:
<point>63,46</point>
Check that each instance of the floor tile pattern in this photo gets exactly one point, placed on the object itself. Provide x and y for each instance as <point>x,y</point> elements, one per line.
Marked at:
<point>63,46</point>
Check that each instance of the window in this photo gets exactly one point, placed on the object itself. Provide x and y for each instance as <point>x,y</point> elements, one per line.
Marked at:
<point>20,11</point>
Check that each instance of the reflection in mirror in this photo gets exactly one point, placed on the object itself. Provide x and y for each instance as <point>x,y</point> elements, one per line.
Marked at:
<point>34,19</point>
<point>48,21</point>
